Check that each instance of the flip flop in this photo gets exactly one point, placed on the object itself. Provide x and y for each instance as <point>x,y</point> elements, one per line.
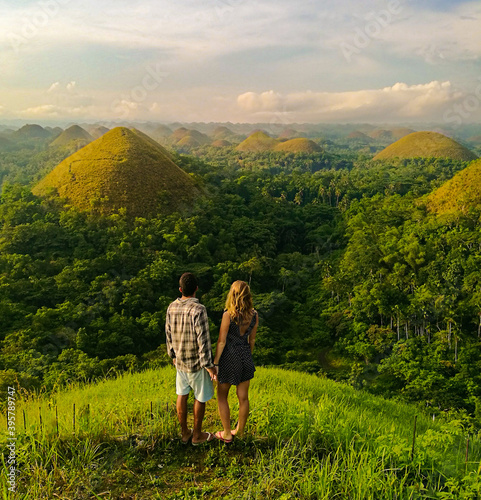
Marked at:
<point>210,438</point>
<point>189,438</point>
<point>218,435</point>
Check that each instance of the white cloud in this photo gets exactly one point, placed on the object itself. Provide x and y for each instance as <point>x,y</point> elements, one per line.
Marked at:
<point>71,86</point>
<point>398,102</point>
<point>55,86</point>
<point>53,111</point>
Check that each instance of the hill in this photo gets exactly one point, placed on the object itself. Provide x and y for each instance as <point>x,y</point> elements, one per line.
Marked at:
<point>31,132</point>
<point>290,133</point>
<point>72,136</point>
<point>222,132</point>
<point>426,145</point>
<point>221,143</point>
<point>300,145</point>
<point>258,141</point>
<point>123,168</point>
<point>189,138</point>
<point>161,133</point>
<point>99,131</point>
<point>459,194</point>
<point>308,436</point>
<point>357,135</point>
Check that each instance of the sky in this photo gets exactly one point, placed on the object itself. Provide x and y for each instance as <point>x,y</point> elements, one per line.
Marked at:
<point>276,61</point>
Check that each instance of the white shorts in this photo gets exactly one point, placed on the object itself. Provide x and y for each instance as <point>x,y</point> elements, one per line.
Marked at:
<point>199,382</point>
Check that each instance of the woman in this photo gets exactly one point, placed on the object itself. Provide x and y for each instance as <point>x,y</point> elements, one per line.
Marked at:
<point>233,356</point>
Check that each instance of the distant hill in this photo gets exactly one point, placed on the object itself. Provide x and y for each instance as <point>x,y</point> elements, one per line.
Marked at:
<point>123,168</point>
<point>475,139</point>
<point>426,145</point>
<point>400,132</point>
<point>31,132</point>
<point>73,136</point>
<point>221,143</point>
<point>222,132</point>
<point>359,136</point>
<point>161,133</point>
<point>300,145</point>
<point>290,133</point>
<point>460,193</point>
<point>258,141</point>
<point>183,137</point>
<point>99,131</point>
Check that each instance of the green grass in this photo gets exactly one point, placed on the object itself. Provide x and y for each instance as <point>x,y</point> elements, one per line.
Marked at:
<point>121,169</point>
<point>307,437</point>
<point>426,145</point>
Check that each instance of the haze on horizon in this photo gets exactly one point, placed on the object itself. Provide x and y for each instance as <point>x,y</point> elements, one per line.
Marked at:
<point>241,61</point>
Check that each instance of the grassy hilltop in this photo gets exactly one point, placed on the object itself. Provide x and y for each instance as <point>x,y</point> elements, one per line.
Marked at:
<point>122,169</point>
<point>307,438</point>
<point>426,145</point>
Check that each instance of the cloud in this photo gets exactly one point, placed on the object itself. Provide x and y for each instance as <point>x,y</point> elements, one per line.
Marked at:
<point>398,102</point>
<point>55,86</point>
<point>53,111</point>
<point>71,85</point>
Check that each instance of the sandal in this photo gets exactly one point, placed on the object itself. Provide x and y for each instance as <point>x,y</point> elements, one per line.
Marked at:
<point>219,436</point>
<point>210,438</point>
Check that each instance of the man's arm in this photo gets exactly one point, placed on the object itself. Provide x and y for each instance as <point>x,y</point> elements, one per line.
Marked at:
<point>168,336</point>
<point>203,342</point>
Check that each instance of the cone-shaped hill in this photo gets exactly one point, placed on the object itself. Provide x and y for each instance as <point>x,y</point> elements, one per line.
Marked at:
<point>123,168</point>
<point>300,145</point>
<point>426,145</point>
<point>258,141</point>
<point>357,135</point>
<point>73,135</point>
<point>31,132</point>
<point>460,193</point>
<point>98,131</point>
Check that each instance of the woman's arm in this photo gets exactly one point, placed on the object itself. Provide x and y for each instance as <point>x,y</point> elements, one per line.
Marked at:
<point>224,328</point>
<point>252,335</point>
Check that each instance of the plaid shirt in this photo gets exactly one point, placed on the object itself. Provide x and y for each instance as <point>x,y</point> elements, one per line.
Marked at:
<point>187,335</point>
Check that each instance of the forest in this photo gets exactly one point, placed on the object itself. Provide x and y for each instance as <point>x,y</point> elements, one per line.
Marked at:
<point>353,277</point>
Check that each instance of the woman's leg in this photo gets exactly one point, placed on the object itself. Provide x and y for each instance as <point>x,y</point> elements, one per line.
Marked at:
<point>224,411</point>
<point>243,396</point>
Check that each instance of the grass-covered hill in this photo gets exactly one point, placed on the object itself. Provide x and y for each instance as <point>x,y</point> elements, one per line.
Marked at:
<point>258,141</point>
<point>357,135</point>
<point>426,145</point>
<point>307,438</point>
<point>299,145</point>
<point>73,135</point>
<point>99,131</point>
<point>31,132</point>
<point>221,143</point>
<point>183,137</point>
<point>122,169</point>
<point>459,194</point>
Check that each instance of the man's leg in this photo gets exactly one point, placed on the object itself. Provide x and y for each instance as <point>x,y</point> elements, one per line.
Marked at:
<point>243,396</point>
<point>224,410</point>
<point>182,415</point>
<point>199,410</point>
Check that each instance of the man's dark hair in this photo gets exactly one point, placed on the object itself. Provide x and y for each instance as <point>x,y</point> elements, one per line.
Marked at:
<point>188,284</point>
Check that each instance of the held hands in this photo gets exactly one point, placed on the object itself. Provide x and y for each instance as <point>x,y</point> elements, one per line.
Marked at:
<point>212,372</point>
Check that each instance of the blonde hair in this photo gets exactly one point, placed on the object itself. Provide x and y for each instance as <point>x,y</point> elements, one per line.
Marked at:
<point>239,302</point>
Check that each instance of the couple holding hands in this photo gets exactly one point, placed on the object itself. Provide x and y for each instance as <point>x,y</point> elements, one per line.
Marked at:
<point>189,346</point>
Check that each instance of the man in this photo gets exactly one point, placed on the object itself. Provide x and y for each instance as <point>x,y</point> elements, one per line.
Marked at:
<point>189,346</point>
